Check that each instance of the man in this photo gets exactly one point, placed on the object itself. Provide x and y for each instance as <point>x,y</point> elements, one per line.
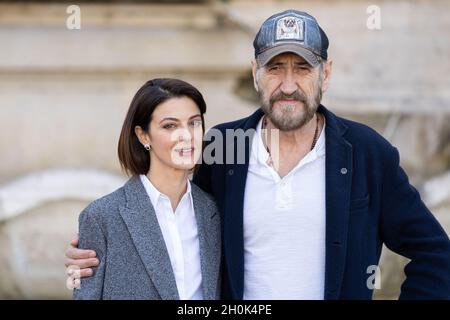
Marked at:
<point>305,215</point>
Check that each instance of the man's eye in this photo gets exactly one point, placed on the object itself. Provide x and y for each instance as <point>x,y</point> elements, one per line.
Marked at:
<point>274,68</point>
<point>169,126</point>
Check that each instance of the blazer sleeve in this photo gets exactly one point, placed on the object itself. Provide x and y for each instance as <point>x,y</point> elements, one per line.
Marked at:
<point>410,229</point>
<point>91,237</point>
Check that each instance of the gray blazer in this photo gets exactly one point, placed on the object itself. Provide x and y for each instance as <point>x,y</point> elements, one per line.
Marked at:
<point>134,263</point>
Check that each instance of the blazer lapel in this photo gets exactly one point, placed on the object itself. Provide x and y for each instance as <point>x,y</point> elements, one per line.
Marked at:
<point>210,248</point>
<point>141,221</point>
<point>233,231</point>
<point>338,168</point>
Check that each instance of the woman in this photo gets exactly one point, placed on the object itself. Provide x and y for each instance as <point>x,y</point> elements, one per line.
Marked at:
<point>158,236</point>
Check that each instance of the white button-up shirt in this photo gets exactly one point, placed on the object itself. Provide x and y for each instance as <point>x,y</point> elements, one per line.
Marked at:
<point>180,234</point>
<point>284,226</point>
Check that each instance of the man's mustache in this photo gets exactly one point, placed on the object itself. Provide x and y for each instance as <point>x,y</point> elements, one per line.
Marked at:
<point>296,95</point>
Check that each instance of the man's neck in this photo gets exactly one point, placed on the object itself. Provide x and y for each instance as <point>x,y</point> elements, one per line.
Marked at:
<point>292,146</point>
<point>300,138</point>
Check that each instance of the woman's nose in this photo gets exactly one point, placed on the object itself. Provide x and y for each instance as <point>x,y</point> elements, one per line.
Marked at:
<point>183,135</point>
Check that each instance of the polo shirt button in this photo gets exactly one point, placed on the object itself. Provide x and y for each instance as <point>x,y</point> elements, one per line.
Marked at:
<point>230,172</point>
<point>344,170</point>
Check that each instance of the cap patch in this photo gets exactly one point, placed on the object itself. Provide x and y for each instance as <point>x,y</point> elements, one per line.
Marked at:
<point>290,28</point>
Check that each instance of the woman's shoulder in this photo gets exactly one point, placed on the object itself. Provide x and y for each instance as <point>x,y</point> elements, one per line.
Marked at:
<point>106,205</point>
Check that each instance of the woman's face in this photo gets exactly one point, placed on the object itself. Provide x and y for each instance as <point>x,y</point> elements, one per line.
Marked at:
<point>176,134</point>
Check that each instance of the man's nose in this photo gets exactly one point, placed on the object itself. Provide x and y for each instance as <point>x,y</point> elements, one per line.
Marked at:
<point>289,84</point>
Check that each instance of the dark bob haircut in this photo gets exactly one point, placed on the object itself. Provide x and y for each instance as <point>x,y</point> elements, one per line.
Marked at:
<point>133,157</point>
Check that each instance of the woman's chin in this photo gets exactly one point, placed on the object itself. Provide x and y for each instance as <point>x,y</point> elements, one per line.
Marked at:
<point>183,164</point>
<point>187,167</point>
<point>184,161</point>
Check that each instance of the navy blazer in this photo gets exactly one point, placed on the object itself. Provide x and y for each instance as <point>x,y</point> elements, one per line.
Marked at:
<point>369,202</point>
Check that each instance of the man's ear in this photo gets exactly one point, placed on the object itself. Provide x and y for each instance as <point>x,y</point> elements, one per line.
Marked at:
<point>254,68</point>
<point>327,68</point>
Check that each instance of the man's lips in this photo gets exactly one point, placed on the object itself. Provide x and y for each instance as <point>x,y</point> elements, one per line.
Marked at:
<point>287,105</point>
<point>287,101</point>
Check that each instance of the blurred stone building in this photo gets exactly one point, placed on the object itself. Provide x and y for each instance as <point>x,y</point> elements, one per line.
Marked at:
<point>64,94</point>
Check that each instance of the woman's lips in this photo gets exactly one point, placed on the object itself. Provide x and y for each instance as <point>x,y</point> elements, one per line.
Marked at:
<point>185,152</point>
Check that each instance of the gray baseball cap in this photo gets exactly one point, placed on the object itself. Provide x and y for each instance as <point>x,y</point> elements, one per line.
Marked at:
<point>291,31</point>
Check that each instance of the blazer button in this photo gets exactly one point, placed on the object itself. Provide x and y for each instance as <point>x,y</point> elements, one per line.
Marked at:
<point>344,170</point>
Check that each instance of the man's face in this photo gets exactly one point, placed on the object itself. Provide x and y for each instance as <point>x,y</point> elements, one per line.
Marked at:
<point>290,90</point>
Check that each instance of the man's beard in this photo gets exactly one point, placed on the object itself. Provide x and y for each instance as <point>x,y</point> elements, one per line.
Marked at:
<point>284,118</point>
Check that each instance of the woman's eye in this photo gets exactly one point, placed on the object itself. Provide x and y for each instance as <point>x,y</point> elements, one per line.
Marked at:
<point>196,123</point>
<point>169,126</point>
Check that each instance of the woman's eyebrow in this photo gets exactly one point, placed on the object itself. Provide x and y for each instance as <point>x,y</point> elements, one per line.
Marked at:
<point>177,120</point>
<point>169,118</point>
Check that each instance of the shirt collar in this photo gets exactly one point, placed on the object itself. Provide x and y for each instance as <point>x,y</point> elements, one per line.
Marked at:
<point>154,193</point>
<point>260,154</point>
<point>319,148</point>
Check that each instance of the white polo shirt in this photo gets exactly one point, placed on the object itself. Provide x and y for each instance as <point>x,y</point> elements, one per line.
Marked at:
<point>284,226</point>
<point>180,234</point>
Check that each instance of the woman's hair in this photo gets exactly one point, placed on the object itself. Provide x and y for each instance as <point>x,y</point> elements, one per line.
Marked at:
<point>133,157</point>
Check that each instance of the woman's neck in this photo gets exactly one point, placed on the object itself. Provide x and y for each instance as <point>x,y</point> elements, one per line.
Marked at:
<point>169,181</point>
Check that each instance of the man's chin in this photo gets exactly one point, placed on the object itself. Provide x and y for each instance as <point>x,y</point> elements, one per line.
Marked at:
<point>286,124</point>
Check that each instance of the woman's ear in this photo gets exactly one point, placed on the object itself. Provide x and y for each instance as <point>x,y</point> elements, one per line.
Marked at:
<point>143,136</point>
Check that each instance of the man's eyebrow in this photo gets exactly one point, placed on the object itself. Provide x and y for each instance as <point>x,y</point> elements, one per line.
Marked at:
<point>279,63</point>
<point>275,63</point>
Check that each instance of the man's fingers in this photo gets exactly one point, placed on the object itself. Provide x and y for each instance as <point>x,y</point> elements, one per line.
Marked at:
<point>74,241</point>
<point>86,273</point>
<point>75,272</point>
<point>75,253</point>
<point>82,263</point>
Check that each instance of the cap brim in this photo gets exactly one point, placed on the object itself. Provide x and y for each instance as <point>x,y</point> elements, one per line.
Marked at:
<point>264,57</point>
